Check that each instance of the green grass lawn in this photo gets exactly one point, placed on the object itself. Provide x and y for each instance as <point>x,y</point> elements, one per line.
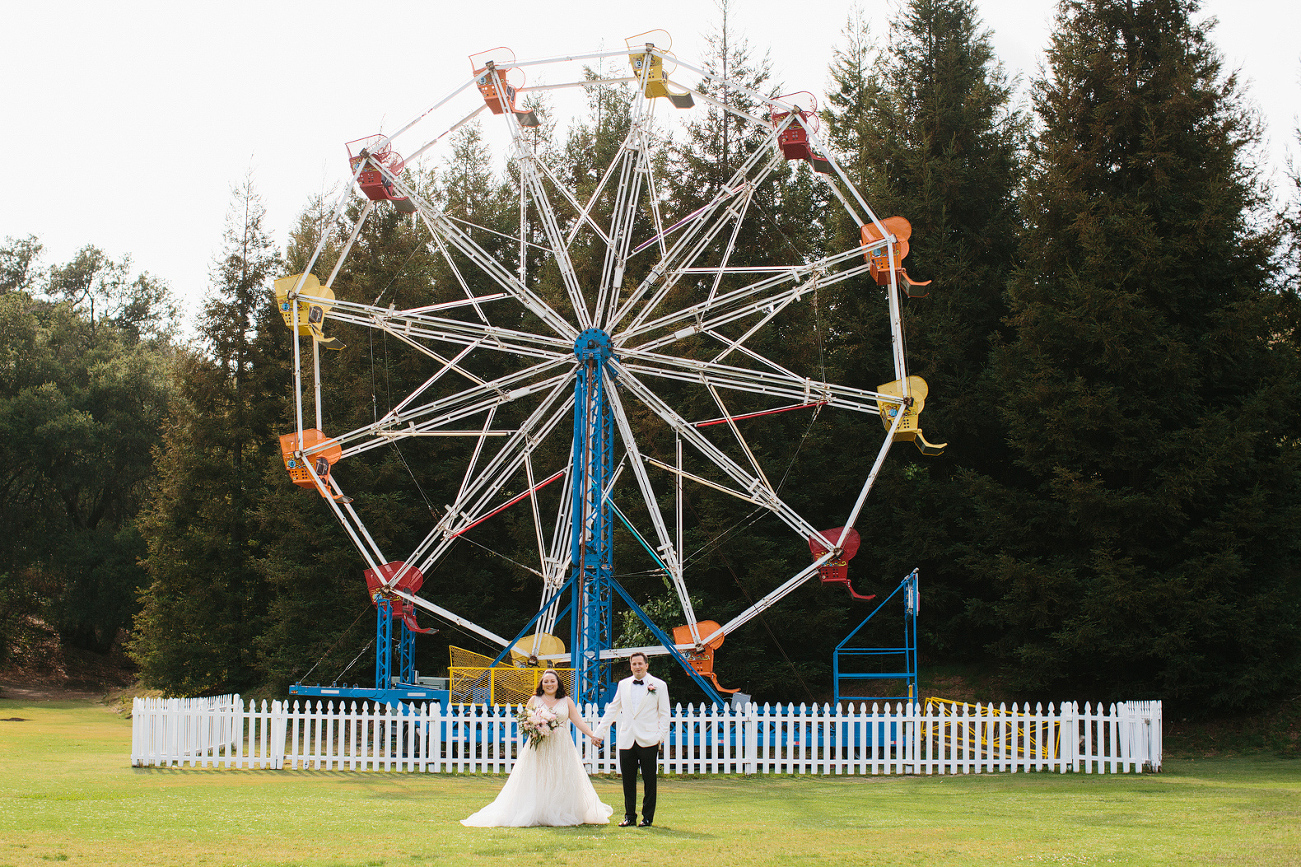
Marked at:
<point>68,793</point>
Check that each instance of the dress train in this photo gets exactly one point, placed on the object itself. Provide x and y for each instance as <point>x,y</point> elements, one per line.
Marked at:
<point>547,786</point>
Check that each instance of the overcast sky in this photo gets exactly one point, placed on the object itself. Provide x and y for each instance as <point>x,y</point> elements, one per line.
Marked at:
<point>127,123</point>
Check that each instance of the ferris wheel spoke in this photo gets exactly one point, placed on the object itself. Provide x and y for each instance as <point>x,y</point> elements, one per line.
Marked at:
<point>347,517</point>
<point>583,213</point>
<point>454,331</point>
<point>634,167</point>
<point>706,226</point>
<point>745,446</point>
<point>475,498</point>
<point>366,211</point>
<point>759,382</point>
<point>555,565</point>
<point>701,227</point>
<point>555,568</point>
<point>345,196</point>
<point>460,278</point>
<point>830,546</point>
<point>784,284</point>
<point>536,514</point>
<point>450,617</point>
<point>622,218</point>
<point>666,551</point>
<point>433,418</point>
<point>762,493</point>
<point>424,386</point>
<point>657,222</point>
<point>476,453</point>
<point>480,486</point>
<point>526,163</point>
<point>736,345</point>
<point>731,245</point>
<point>442,226</point>
<point>448,364</point>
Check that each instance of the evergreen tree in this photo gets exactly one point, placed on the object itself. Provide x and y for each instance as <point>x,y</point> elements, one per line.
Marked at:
<point>1144,541</point>
<point>205,601</point>
<point>931,133</point>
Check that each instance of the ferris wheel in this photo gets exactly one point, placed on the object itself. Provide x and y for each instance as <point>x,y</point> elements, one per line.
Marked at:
<point>604,321</point>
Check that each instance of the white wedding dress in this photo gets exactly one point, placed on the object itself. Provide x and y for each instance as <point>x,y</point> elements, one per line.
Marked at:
<point>547,786</point>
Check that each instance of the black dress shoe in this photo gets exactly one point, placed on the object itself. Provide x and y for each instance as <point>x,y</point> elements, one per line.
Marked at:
<point>628,822</point>
<point>645,823</point>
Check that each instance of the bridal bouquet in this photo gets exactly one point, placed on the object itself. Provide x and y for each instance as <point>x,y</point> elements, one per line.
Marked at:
<point>537,722</point>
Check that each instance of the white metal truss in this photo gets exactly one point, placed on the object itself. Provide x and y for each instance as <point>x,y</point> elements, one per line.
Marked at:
<point>682,297</point>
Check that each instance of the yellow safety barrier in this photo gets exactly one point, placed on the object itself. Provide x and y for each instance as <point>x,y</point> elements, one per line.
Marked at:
<point>1021,729</point>
<point>472,679</point>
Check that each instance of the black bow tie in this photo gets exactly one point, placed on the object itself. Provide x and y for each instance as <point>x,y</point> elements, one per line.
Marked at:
<point>638,682</point>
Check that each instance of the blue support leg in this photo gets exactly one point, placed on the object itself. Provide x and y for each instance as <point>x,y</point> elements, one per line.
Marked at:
<point>383,644</point>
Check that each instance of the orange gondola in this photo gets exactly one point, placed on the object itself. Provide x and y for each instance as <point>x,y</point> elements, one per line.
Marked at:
<point>701,656</point>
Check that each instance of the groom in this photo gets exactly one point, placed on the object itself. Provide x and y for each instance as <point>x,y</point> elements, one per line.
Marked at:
<point>641,708</point>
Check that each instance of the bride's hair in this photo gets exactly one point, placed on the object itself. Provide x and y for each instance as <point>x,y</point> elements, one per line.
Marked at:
<point>561,692</point>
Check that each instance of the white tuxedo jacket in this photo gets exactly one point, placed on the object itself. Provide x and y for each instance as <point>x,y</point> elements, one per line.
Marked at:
<point>644,722</point>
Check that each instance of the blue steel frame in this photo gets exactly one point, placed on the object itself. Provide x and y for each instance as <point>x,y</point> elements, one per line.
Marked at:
<point>907,653</point>
<point>592,540</point>
<point>394,691</point>
<point>384,648</point>
<point>383,644</point>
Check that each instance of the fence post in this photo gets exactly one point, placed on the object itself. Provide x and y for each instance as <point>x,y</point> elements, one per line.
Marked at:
<point>278,720</point>
<point>1071,729</point>
<point>135,731</point>
<point>1157,735</point>
<point>749,739</point>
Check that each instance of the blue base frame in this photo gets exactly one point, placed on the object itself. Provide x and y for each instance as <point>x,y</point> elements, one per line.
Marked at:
<point>906,654</point>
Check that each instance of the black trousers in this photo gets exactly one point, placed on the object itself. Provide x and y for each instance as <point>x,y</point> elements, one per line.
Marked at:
<point>647,760</point>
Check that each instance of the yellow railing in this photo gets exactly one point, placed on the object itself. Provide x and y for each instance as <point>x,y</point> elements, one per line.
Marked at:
<point>504,684</point>
<point>472,679</point>
<point>958,727</point>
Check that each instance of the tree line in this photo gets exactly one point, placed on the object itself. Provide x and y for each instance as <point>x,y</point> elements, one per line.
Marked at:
<point>1110,341</point>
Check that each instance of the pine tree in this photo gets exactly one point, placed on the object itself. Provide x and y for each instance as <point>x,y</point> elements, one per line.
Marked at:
<point>931,133</point>
<point>205,601</point>
<point>1140,544</point>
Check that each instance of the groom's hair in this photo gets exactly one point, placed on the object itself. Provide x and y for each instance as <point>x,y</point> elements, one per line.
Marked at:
<point>561,692</point>
<point>637,654</point>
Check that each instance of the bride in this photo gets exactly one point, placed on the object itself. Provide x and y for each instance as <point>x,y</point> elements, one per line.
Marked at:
<point>548,785</point>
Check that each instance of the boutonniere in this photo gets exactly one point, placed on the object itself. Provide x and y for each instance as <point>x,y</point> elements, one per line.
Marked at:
<point>650,689</point>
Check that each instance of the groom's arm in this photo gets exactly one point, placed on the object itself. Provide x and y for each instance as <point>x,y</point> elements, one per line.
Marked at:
<point>664,712</point>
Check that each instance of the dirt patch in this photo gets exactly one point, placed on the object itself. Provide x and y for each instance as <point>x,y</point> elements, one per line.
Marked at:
<point>42,692</point>
<point>42,669</point>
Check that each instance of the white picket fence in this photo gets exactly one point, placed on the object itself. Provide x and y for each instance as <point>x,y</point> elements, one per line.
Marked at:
<point>903,739</point>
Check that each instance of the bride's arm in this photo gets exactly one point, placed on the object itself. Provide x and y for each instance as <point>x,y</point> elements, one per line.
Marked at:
<point>577,719</point>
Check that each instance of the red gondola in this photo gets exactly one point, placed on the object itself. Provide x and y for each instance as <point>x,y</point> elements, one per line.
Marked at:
<point>836,570</point>
<point>794,139</point>
<point>380,162</point>
<point>409,583</point>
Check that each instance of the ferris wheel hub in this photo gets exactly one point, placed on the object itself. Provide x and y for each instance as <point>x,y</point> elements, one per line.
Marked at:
<point>594,344</point>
